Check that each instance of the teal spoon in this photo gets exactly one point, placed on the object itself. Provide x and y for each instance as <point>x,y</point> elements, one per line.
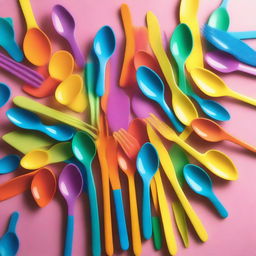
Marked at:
<point>181,45</point>
<point>201,183</point>
<point>5,94</point>
<point>147,165</point>
<point>9,163</point>
<point>104,46</point>
<point>7,40</point>
<point>9,243</point>
<point>84,150</point>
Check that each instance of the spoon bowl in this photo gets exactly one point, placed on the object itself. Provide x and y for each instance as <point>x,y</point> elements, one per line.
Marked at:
<point>219,19</point>
<point>9,163</point>
<point>5,94</point>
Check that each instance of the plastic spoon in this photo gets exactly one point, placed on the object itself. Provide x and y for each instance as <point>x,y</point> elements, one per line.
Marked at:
<point>147,165</point>
<point>9,243</point>
<point>214,86</point>
<point>211,131</point>
<point>70,186</point>
<point>7,40</point>
<point>226,63</point>
<point>64,24</point>
<point>36,45</point>
<point>9,163</point>
<point>104,45</point>
<point>84,150</point>
<point>28,120</point>
<point>40,157</point>
<point>43,187</point>
<point>5,94</point>
<point>201,183</point>
<point>152,87</point>
<point>181,51</point>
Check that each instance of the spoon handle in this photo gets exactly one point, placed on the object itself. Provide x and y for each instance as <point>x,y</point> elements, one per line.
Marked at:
<point>100,85</point>
<point>219,206</point>
<point>79,58</point>
<point>13,222</point>
<point>146,213</point>
<point>243,98</point>
<point>69,236</point>
<point>224,4</point>
<point>241,143</point>
<point>246,68</point>
<point>182,79</point>
<point>28,14</point>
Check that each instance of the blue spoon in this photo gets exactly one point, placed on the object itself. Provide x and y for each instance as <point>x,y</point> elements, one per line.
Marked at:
<point>5,94</point>
<point>104,46</point>
<point>28,120</point>
<point>7,40</point>
<point>201,183</point>
<point>147,165</point>
<point>9,243</point>
<point>9,163</point>
<point>152,87</point>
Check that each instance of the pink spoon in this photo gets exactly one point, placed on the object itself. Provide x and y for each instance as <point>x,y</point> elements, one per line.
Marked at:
<point>226,63</point>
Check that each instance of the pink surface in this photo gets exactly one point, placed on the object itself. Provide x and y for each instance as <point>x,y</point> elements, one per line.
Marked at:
<point>41,231</point>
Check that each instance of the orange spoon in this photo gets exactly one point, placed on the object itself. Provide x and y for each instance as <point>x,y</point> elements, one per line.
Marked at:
<point>43,187</point>
<point>211,131</point>
<point>36,45</point>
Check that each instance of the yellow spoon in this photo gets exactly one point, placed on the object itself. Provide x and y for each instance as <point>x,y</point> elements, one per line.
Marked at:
<point>214,86</point>
<point>36,45</point>
<point>182,105</point>
<point>40,157</point>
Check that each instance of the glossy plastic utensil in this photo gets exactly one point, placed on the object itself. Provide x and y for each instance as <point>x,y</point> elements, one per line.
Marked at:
<point>201,183</point>
<point>40,157</point>
<point>7,40</point>
<point>214,86</point>
<point>84,150</point>
<point>43,187</point>
<point>36,45</point>
<point>70,186</point>
<point>182,105</point>
<point>147,165</point>
<point>9,163</point>
<point>152,87</point>
<point>104,45</point>
<point>5,94</point>
<point>64,24</point>
<point>216,161</point>
<point>9,243</point>
<point>211,131</point>
<point>226,63</point>
<point>28,120</point>
<point>224,41</point>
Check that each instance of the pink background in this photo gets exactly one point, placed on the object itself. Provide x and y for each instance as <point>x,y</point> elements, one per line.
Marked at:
<point>41,231</point>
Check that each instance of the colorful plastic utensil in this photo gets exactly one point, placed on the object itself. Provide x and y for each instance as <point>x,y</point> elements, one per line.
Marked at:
<point>211,131</point>
<point>36,45</point>
<point>7,40</point>
<point>64,24</point>
<point>182,105</point>
<point>147,165</point>
<point>104,45</point>
<point>36,107</point>
<point>84,150</point>
<point>9,242</point>
<point>38,158</point>
<point>226,63</point>
<point>216,161</point>
<point>9,163</point>
<point>213,86</point>
<point>28,120</point>
<point>43,187</point>
<point>220,17</point>
<point>70,186</point>
<point>152,87</point>
<point>224,41</point>
<point>201,183</point>
<point>111,156</point>
<point>5,94</point>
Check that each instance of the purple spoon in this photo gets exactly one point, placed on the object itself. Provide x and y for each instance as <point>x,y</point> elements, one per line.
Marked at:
<point>226,63</point>
<point>70,186</point>
<point>64,24</point>
<point>118,108</point>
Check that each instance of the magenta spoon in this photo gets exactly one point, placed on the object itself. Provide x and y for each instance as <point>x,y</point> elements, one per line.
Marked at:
<point>226,63</point>
<point>64,24</point>
<point>70,186</point>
